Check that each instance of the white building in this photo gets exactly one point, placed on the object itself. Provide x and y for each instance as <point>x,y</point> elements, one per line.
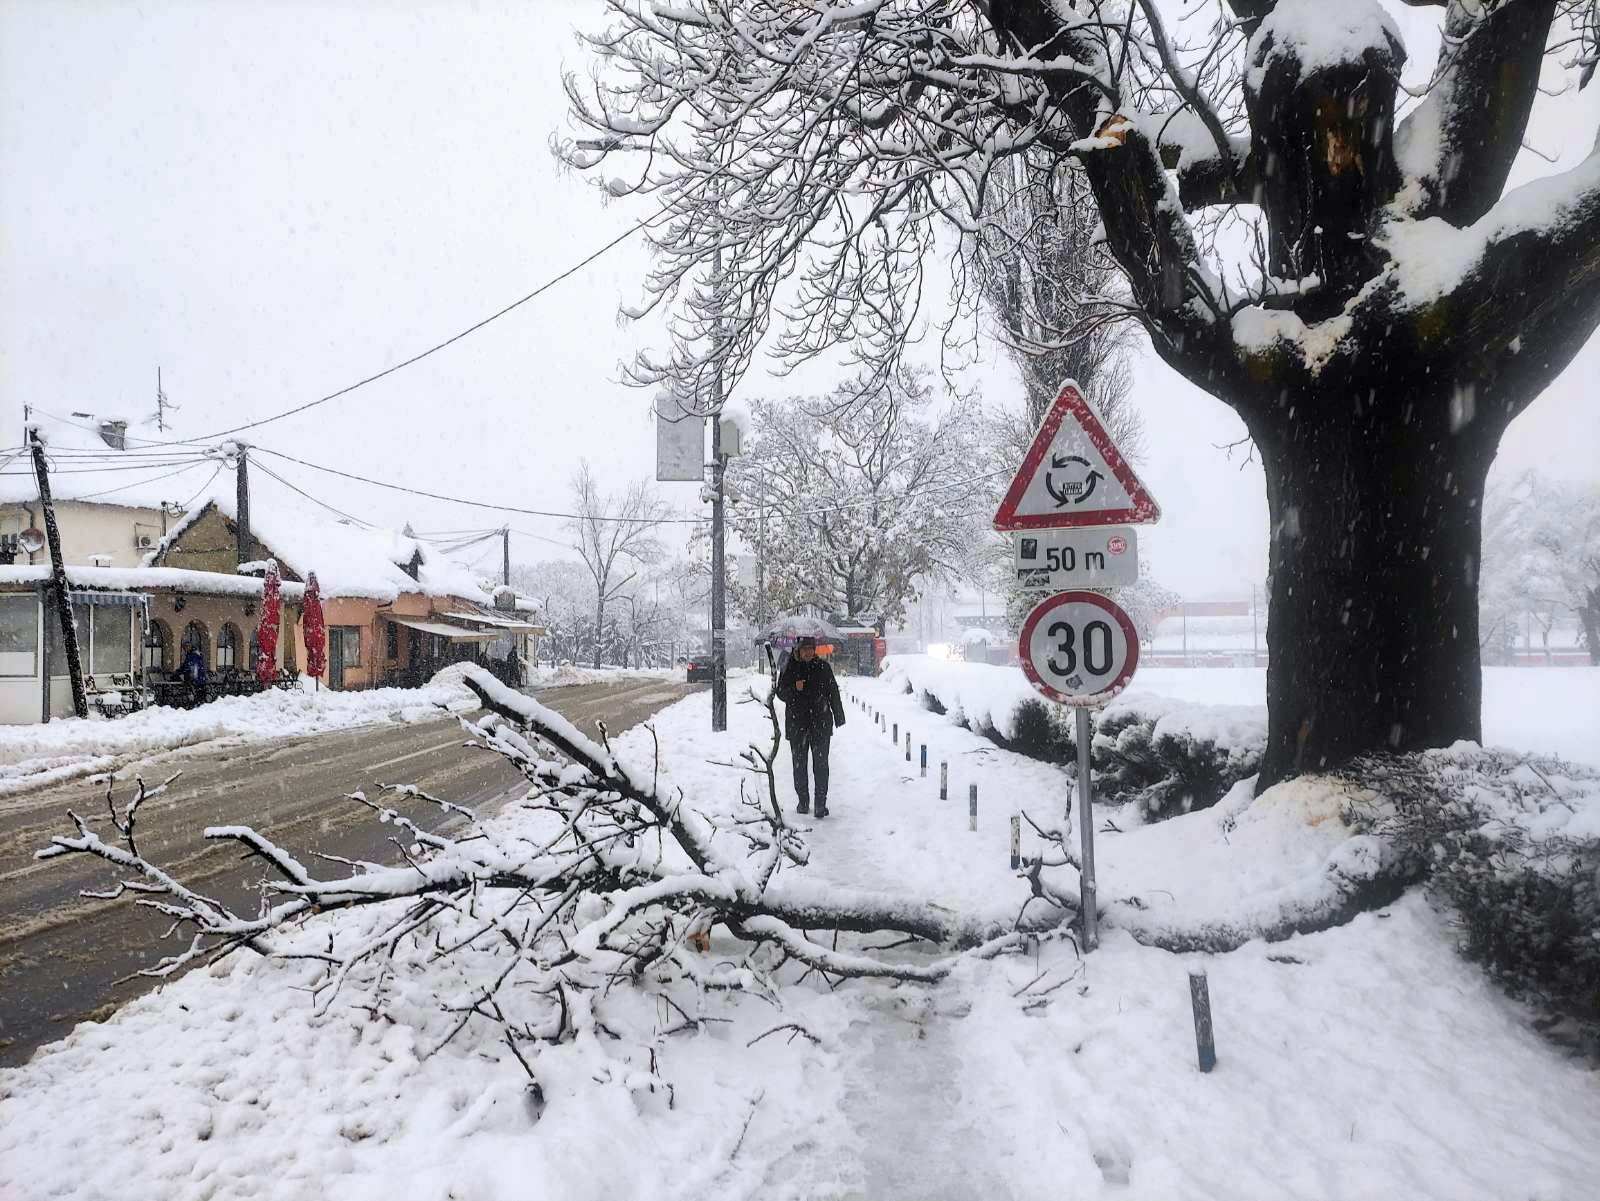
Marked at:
<point>115,495</point>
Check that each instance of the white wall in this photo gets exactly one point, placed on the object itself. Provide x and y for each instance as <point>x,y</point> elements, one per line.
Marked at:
<point>88,530</point>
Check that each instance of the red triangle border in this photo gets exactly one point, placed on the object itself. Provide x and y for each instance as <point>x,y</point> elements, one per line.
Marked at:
<point>1071,401</point>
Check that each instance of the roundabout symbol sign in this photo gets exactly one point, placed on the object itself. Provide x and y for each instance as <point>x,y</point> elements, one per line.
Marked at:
<point>1079,648</point>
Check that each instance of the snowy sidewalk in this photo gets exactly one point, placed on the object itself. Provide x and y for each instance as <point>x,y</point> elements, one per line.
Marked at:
<point>1428,1081</point>
<point>1370,1061</point>
<point>921,1137</point>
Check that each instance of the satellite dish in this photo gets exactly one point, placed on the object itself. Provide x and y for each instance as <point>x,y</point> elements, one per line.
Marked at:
<point>31,540</point>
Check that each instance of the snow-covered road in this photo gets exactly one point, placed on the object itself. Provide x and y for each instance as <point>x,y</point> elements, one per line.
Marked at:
<point>1367,1061</point>
<point>62,955</point>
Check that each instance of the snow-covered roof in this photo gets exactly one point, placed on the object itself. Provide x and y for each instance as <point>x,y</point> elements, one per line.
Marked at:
<point>85,466</point>
<point>350,560</point>
<point>145,579</point>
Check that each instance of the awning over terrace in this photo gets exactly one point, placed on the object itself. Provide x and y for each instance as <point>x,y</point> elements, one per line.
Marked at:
<point>453,633</point>
<point>508,625</point>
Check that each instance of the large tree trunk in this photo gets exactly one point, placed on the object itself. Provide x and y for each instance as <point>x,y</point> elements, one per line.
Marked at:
<point>1589,615</point>
<point>1373,628</point>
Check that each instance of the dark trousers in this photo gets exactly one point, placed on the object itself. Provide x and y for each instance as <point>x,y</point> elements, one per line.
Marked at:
<point>809,743</point>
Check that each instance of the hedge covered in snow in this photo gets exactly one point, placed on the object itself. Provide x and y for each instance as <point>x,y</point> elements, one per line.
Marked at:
<point>1512,843</point>
<point>1166,756</point>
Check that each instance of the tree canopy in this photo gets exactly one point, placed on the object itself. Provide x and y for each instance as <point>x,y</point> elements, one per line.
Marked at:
<point>1392,305</point>
<point>849,500</point>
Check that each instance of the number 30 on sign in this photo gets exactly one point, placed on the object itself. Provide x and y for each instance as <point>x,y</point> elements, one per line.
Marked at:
<point>1079,648</point>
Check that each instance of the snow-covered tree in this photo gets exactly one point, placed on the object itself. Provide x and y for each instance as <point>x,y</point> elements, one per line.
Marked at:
<point>1541,561</point>
<point>565,593</point>
<point>1397,309</point>
<point>614,536</point>
<point>1052,295</point>
<point>849,498</point>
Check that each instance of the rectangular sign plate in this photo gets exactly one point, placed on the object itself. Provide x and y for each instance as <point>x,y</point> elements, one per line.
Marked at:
<point>680,442</point>
<point>1100,557</point>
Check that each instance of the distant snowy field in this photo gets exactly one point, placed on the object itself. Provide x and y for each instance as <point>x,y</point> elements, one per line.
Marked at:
<point>1368,1061</point>
<point>1552,710</point>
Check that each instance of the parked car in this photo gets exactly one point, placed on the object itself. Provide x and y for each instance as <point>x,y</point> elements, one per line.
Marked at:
<point>700,671</point>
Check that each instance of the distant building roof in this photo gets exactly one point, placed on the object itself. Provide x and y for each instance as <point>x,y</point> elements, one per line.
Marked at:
<point>349,559</point>
<point>146,579</point>
<point>104,459</point>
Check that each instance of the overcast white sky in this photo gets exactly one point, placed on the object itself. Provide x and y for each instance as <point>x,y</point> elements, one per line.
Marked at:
<point>273,200</point>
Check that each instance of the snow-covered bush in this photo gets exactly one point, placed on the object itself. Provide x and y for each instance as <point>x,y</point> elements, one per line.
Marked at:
<point>1164,755</point>
<point>1512,843</point>
<point>1170,757</point>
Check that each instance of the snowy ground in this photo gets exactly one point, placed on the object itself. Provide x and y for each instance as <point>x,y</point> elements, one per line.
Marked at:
<point>1369,1061</point>
<point>1553,710</point>
<point>559,677</point>
<point>70,748</point>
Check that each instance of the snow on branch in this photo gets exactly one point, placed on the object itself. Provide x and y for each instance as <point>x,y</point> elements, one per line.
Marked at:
<point>523,934</point>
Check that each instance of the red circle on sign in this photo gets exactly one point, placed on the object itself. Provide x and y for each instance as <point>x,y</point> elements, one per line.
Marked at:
<point>1112,610</point>
<point>1117,545</point>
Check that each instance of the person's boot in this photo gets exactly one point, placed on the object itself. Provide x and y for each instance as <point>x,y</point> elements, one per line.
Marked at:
<point>805,807</point>
<point>822,809</point>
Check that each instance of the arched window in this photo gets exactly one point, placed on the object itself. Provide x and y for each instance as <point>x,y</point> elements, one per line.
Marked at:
<point>197,638</point>
<point>228,647</point>
<point>157,647</point>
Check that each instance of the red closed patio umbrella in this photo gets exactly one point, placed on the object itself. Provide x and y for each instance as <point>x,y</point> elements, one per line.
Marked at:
<point>267,631</point>
<point>316,630</point>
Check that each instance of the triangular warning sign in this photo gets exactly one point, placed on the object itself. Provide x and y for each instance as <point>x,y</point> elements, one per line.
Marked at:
<point>1073,475</point>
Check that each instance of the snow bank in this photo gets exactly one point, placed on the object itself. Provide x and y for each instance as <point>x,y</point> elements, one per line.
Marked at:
<point>1546,710</point>
<point>1032,1076</point>
<point>1165,753</point>
<point>979,695</point>
<point>560,677</point>
<point>31,756</point>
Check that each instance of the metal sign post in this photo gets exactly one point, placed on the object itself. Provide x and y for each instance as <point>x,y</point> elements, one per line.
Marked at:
<point>1081,649</point>
<point>1071,507</point>
<point>1086,902</point>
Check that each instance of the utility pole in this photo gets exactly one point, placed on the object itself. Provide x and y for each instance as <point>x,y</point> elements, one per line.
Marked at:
<point>719,618</point>
<point>719,631</point>
<point>761,570</point>
<point>242,497</point>
<point>58,577</point>
<point>505,555</point>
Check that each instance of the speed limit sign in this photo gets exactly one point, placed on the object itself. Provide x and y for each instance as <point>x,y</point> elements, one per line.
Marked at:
<point>1079,648</point>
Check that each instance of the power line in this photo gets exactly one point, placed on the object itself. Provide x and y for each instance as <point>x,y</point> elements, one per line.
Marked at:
<point>209,480</point>
<point>481,504</point>
<point>642,223</point>
<point>542,538</point>
<point>139,483</point>
<point>340,512</point>
<point>191,460</point>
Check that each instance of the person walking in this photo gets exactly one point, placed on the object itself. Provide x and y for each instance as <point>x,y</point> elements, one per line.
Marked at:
<point>193,672</point>
<point>812,709</point>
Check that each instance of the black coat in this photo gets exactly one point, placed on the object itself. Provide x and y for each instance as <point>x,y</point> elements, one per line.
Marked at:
<point>814,711</point>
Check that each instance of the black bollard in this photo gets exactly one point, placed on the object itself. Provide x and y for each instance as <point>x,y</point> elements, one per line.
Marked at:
<point>924,755</point>
<point>1200,1001</point>
<point>972,807</point>
<point>944,780</point>
<point>1016,841</point>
